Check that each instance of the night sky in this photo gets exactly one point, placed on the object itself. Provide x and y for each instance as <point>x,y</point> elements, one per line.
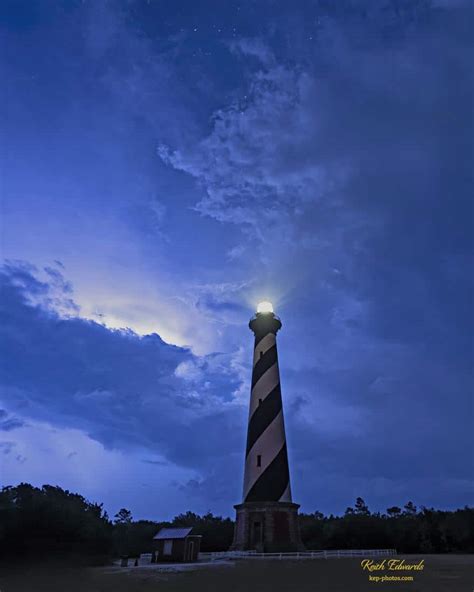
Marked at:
<point>165,166</point>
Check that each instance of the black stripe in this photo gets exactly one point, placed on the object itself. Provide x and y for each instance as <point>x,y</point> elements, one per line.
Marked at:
<point>264,363</point>
<point>258,338</point>
<point>271,484</point>
<point>263,416</point>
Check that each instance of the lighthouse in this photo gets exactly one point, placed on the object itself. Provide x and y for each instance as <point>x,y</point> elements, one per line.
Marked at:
<point>267,518</point>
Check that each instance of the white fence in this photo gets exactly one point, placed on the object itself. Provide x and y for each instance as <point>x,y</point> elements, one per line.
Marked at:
<point>298,555</point>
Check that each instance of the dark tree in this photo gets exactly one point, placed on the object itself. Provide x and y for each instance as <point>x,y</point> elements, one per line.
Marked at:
<point>361,507</point>
<point>123,516</point>
<point>394,511</point>
<point>217,532</point>
<point>410,508</point>
<point>52,522</point>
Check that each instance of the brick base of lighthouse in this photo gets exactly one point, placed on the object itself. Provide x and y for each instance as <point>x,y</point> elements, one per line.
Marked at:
<point>267,527</point>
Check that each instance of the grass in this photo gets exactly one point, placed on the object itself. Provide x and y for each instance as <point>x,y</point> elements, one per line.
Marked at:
<point>442,573</point>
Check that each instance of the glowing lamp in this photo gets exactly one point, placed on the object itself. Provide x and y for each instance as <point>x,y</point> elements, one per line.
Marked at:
<point>264,307</point>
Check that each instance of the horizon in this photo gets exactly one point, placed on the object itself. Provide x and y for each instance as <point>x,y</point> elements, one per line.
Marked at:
<point>350,510</point>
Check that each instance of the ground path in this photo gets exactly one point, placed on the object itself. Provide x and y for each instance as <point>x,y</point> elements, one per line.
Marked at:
<point>442,573</point>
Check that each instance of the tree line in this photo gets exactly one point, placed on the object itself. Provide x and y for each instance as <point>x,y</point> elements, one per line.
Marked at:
<point>49,522</point>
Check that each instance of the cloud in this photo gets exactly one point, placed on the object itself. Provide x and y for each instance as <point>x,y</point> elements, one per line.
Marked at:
<point>8,424</point>
<point>136,75</point>
<point>42,454</point>
<point>310,160</point>
<point>123,390</point>
<point>242,165</point>
<point>253,47</point>
<point>309,167</point>
<point>7,447</point>
<point>160,463</point>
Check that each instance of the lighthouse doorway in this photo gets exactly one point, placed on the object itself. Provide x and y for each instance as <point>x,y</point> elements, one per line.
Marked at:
<point>257,535</point>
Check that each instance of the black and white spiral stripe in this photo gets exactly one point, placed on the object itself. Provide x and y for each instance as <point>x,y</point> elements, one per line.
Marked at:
<point>266,465</point>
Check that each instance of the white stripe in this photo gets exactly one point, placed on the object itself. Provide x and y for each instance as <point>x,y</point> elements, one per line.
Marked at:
<point>286,497</point>
<point>263,387</point>
<point>263,346</point>
<point>268,446</point>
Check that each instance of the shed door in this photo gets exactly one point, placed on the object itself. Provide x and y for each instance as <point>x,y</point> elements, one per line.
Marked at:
<point>190,556</point>
<point>167,547</point>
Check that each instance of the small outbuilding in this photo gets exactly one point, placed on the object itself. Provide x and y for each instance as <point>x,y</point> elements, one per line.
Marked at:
<point>176,544</point>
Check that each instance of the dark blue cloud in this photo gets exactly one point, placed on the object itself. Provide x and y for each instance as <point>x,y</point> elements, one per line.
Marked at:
<point>124,390</point>
<point>8,423</point>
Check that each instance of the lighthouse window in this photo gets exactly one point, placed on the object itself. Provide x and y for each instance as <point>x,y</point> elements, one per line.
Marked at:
<point>260,401</point>
<point>259,460</point>
<point>261,354</point>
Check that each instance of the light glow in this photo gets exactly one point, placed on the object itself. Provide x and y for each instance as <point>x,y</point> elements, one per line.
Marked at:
<point>265,307</point>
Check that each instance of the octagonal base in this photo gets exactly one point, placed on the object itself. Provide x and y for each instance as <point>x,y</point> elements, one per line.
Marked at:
<point>267,527</point>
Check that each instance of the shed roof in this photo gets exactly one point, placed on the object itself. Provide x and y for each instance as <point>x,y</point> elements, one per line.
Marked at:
<point>172,533</point>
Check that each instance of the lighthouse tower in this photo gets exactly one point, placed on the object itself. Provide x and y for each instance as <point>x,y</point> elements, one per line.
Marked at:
<point>267,519</point>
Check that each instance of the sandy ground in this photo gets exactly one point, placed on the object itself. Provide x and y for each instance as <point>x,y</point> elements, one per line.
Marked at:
<point>442,573</point>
